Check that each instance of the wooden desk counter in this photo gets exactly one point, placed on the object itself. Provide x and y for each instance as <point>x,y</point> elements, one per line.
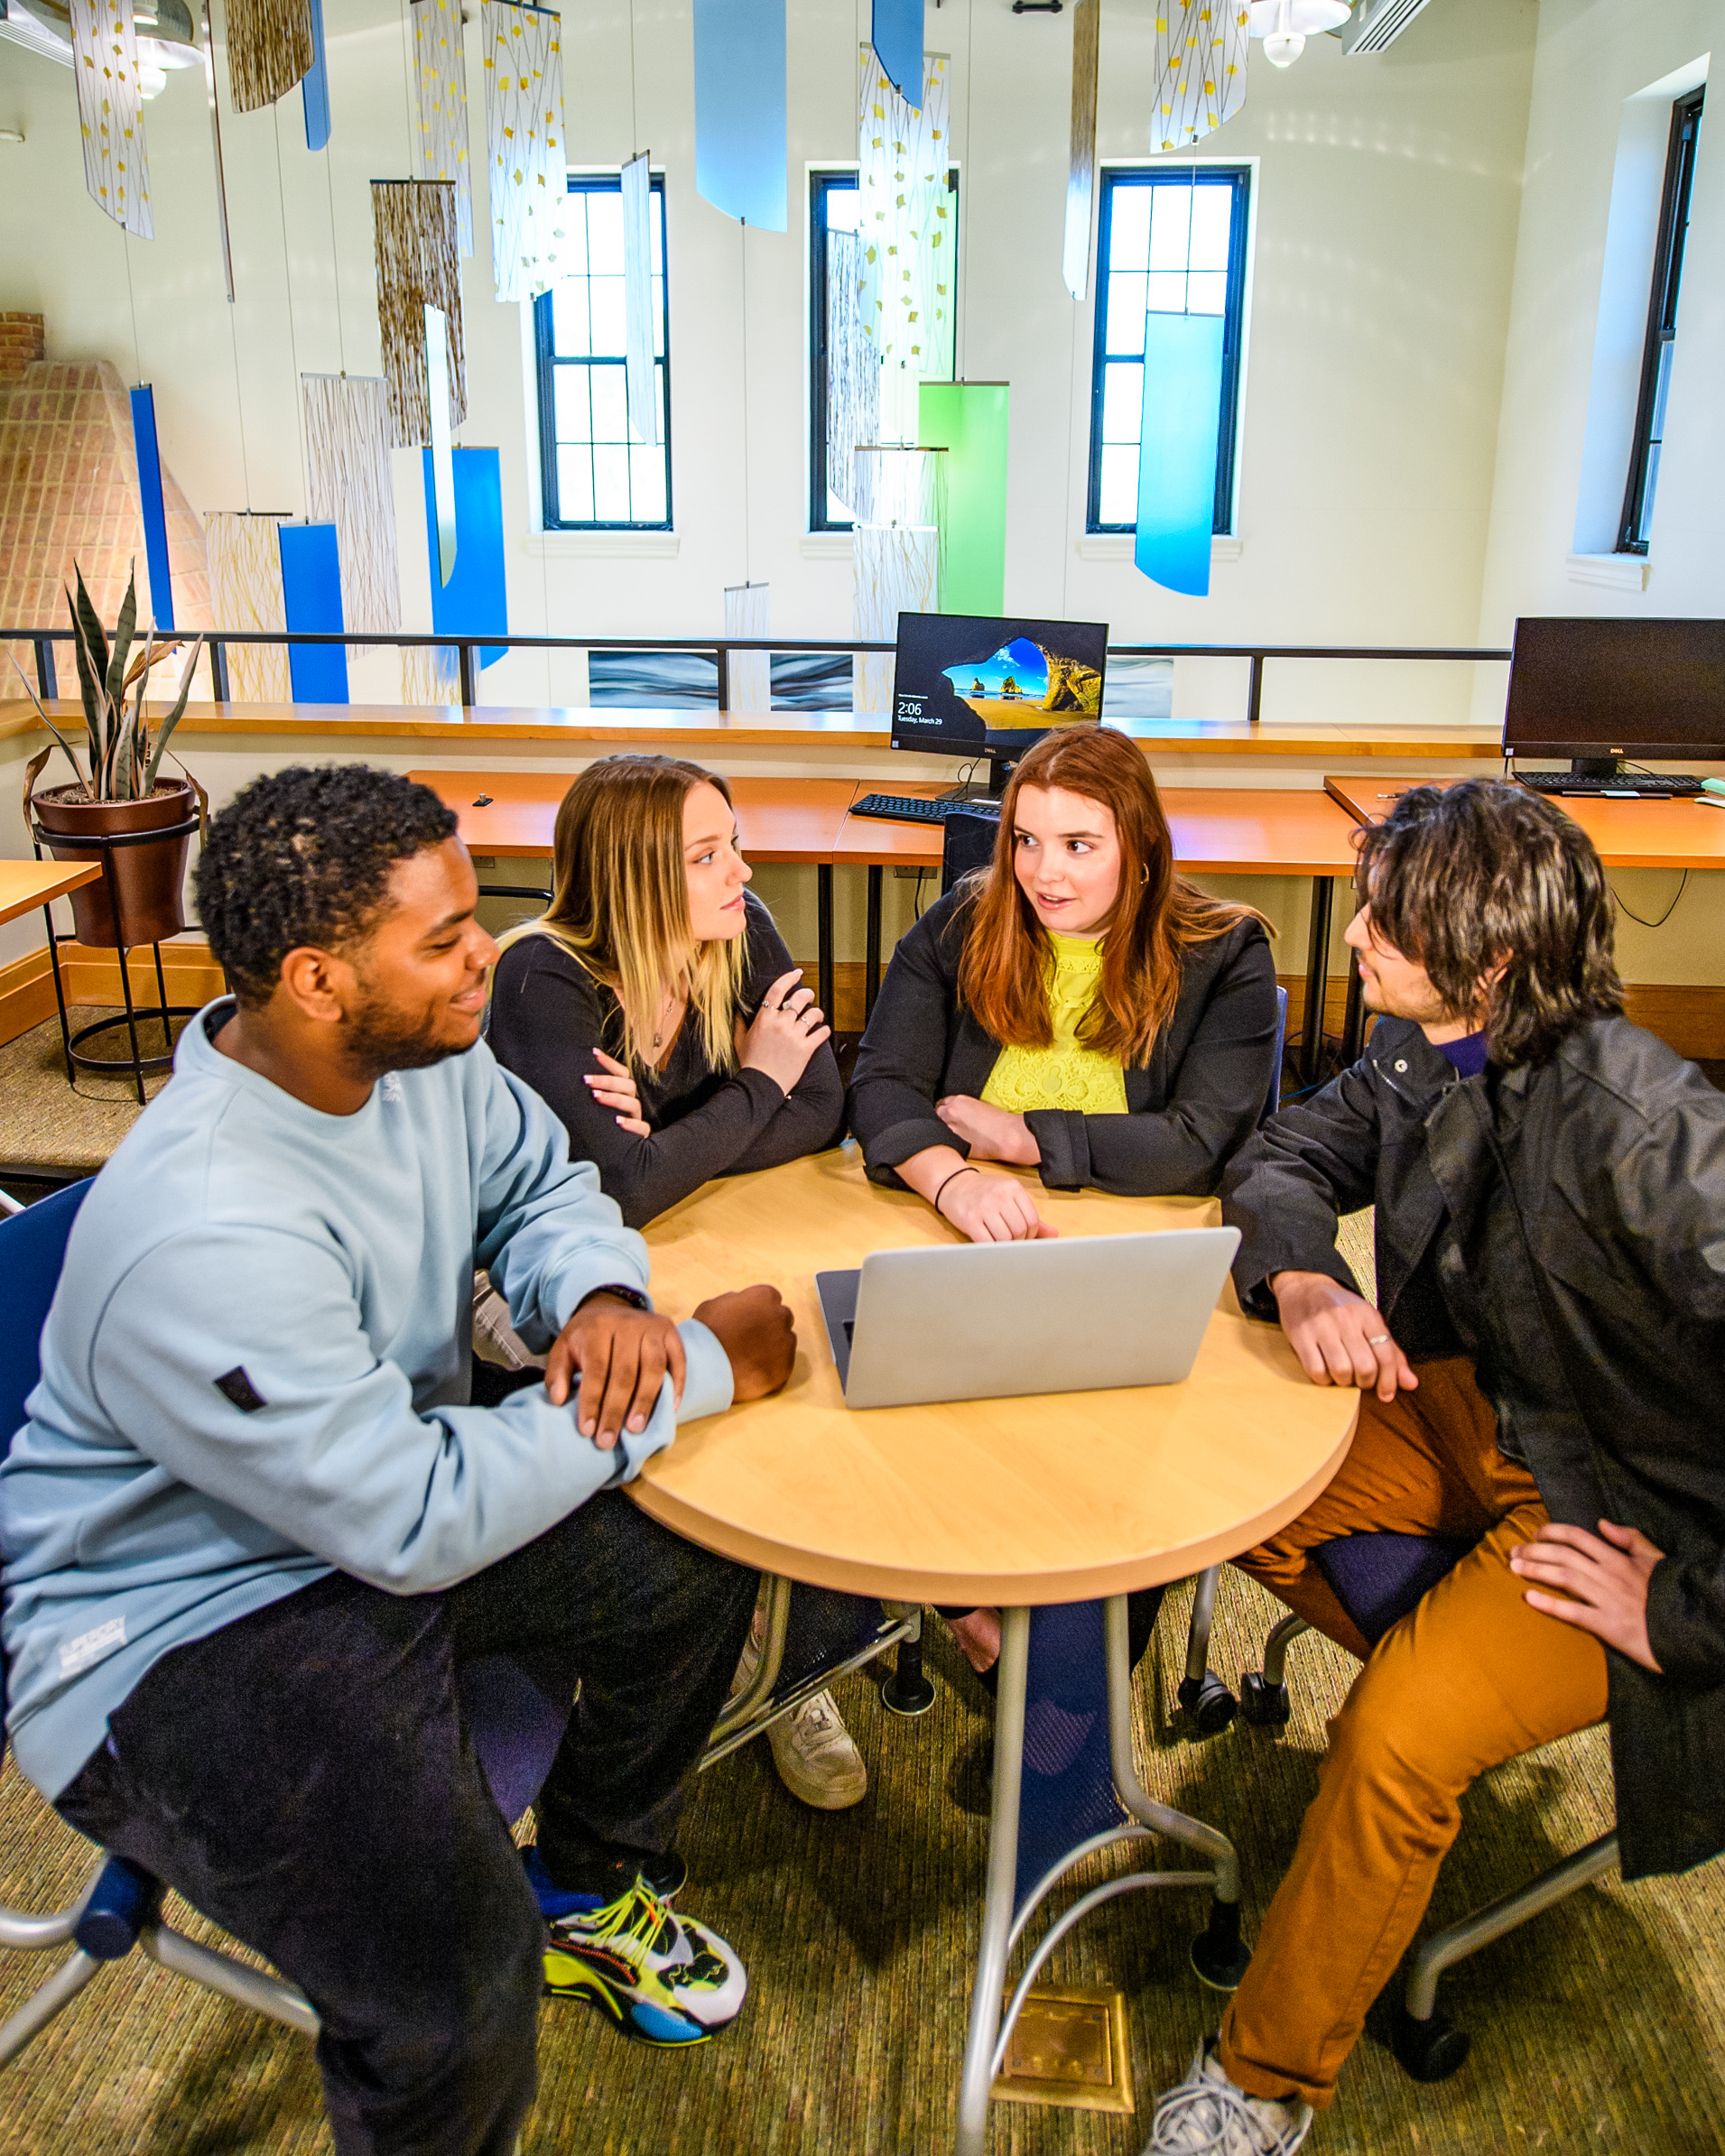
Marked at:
<point>25,884</point>
<point>1053,1499</point>
<point>588,730</point>
<point>1629,834</point>
<point>780,820</point>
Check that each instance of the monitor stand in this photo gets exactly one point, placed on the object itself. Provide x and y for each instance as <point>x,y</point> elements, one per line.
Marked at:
<point>1596,767</point>
<point>1000,769</point>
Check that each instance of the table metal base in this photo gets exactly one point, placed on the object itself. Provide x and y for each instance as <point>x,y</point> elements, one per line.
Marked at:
<point>1216,1953</point>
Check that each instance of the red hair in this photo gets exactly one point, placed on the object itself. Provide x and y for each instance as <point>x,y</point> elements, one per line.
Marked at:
<point>1003,976</point>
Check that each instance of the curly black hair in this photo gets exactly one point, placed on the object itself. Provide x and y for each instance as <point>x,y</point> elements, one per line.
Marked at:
<point>302,856</point>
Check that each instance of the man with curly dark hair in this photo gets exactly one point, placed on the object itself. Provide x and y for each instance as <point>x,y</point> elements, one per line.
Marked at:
<point>1540,1386</point>
<point>257,1537</point>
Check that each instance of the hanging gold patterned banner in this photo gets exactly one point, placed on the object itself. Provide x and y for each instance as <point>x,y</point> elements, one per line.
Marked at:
<point>1080,171</point>
<point>523,111</point>
<point>270,47</point>
<point>110,112</point>
<point>904,221</point>
<point>1200,68</point>
<point>413,224</point>
<point>440,79</point>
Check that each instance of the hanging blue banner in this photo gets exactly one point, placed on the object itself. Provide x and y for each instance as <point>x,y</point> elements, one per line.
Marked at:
<point>740,109</point>
<point>897,35</point>
<point>312,595</point>
<point>1182,426</point>
<point>475,601</point>
<point>314,86</point>
<point>155,518</point>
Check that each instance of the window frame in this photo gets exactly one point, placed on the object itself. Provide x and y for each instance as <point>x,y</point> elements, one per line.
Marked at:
<point>1662,308</point>
<point>546,362</point>
<point>1238,178</point>
<point>822,180</point>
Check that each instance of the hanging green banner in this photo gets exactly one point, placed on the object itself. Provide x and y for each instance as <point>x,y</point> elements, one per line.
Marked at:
<point>968,420</point>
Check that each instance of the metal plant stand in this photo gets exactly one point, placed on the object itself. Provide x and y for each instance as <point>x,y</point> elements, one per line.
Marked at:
<point>162,1014</point>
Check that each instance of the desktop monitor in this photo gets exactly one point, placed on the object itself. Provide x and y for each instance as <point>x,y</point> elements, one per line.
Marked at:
<point>977,685</point>
<point>1595,690</point>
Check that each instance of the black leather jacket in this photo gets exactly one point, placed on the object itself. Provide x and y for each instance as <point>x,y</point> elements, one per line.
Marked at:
<point>1576,1213</point>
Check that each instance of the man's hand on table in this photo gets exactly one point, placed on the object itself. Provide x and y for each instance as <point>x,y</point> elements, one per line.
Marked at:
<point>755,1327</point>
<point>1339,1338</point>
<point>621,1354</point>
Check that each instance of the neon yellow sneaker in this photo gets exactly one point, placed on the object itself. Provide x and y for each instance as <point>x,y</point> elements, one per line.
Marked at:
<point>662,1977</point>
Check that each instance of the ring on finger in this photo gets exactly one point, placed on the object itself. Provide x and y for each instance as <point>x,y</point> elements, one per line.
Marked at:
<point>1376,1339</point>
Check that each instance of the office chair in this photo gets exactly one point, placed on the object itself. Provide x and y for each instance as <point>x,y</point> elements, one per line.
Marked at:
<point>1378,1579</point>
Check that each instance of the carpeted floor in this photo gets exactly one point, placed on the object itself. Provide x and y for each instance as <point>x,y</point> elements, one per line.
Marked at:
<point>1595,2027</point>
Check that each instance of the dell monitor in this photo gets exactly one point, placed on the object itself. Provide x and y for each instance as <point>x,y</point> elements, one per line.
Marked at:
<point>981,686</point>
<point>1597,689</point>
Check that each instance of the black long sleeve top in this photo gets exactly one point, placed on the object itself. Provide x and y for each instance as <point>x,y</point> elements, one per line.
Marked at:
<point>547,1014</point>
<point>1189,1106</point>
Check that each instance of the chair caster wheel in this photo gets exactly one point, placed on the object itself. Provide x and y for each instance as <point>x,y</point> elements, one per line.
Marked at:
<point>905,1696</point>
<point>1264,1705</point>
<point>1429,2050</point>
<point>1209,1702</point>
<point>1218,1957</point>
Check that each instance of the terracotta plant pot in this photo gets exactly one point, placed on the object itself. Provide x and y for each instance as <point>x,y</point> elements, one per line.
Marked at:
<point>151,880</point>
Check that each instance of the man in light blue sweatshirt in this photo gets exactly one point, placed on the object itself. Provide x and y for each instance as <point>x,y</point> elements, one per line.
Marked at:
<point>255,1532</point>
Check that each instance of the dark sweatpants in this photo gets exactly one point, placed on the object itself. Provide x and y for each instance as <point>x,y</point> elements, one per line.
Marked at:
<point>304,1778</point>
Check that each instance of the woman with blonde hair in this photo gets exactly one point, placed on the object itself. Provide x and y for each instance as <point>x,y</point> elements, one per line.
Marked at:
<point>654,1005</point>
<point>656,1008</point>
<point>1076,1007</point>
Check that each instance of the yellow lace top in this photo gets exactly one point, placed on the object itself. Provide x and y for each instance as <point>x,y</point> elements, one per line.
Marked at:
<point>1067,1075</point>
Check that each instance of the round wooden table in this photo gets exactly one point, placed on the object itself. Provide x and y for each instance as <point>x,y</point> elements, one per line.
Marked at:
<point>1059,1498</point>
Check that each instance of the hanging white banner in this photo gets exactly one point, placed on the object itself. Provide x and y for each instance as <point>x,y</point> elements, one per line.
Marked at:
<point>1201,69</point>
<point>110,112</point>
<point>638,311</point>
<point>523,110</point>
<point>905,227</point>
<point>440,81</point>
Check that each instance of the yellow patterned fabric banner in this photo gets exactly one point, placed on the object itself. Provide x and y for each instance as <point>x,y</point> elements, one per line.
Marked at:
<point>246,593</point>
<point>1200,68</point>
<point>523,111</point>
<point>905,223</point>
<point>110,111</point>
<point>439,80</point>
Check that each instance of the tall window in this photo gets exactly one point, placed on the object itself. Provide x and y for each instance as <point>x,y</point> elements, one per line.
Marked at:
<point>1662,327</point>
<point>839,401</point>
<point>1168,242</point>
<point>596,476</point>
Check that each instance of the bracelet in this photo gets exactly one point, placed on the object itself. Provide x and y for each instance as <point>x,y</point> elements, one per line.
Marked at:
<point>636,1300</point>
<point>957,1172</point>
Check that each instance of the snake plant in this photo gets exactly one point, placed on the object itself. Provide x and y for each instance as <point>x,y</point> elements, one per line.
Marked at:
<point>124,757</point>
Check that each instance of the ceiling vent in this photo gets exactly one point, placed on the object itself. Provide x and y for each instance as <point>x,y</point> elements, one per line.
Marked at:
<point>1377,24</point>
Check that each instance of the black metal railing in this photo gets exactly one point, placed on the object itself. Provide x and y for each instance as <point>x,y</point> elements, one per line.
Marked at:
<point>719,649</point>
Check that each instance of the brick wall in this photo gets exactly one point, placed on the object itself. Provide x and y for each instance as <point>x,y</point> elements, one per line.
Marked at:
<point>21,341</point>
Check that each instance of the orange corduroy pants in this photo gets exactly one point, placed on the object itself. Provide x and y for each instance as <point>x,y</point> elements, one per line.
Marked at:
<point>1468,1679</point>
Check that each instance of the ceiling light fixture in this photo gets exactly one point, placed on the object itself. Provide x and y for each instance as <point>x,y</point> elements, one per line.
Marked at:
<point>1285,26</point>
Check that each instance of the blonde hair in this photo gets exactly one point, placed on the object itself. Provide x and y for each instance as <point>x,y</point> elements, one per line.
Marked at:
<point>620,900</point>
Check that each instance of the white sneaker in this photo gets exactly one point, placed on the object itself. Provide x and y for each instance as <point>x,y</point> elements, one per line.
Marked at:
<point>817,1757</point>
<point>1207,2115</point>
<point>815,1754</point>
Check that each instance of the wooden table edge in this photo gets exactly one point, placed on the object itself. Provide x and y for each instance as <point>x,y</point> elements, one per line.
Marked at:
<point>1000,1589</point>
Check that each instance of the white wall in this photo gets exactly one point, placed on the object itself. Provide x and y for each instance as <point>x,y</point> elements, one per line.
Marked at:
<point>1385,225</point>
<point>1592,56</point>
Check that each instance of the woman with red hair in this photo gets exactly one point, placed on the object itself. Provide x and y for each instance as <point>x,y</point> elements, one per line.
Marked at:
<point>1076,1007</point>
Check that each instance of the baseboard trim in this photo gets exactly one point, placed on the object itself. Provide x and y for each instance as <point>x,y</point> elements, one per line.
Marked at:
<point>93,976</point>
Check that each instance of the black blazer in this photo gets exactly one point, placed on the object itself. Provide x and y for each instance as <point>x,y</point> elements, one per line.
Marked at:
<point>547,1014</point>
<point>1197,1099</point>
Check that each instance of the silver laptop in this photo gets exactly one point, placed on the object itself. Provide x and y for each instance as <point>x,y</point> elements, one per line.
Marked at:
<point>990,1320</point>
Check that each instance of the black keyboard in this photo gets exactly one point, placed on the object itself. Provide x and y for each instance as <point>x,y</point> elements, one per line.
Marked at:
<point>1636,785</point>
<point>905,808</point>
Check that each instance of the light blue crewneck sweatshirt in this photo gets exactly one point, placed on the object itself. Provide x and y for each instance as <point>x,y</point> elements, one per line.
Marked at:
<point>255,1370</point>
